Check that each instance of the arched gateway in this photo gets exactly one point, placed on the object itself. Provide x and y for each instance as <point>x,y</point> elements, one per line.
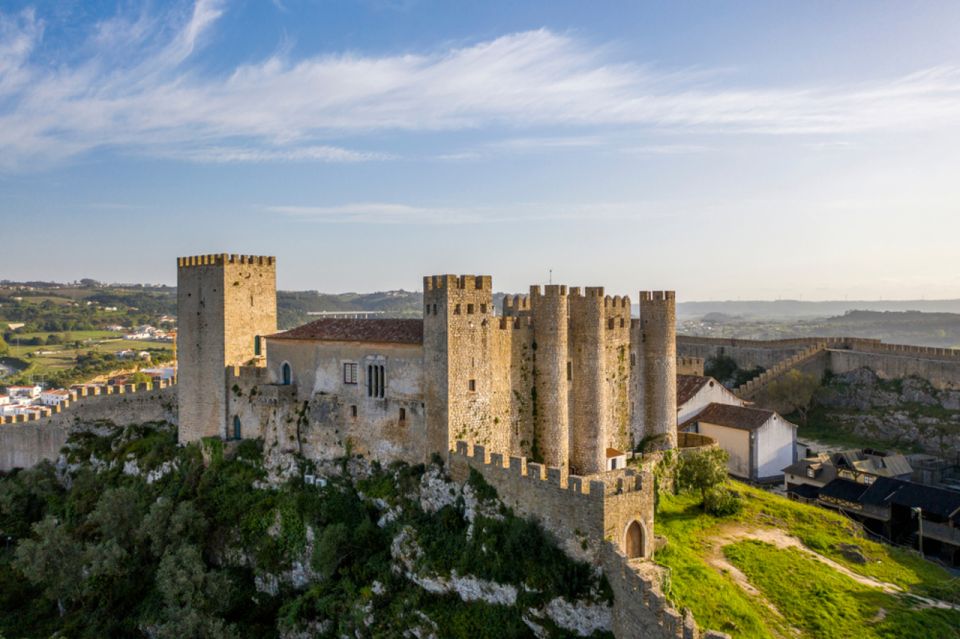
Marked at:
<point>633,540</point>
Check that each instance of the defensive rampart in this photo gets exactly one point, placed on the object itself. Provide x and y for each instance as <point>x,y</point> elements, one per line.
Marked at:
<point>940,366</point>
<point>26,440</point>
<point>592,518</point>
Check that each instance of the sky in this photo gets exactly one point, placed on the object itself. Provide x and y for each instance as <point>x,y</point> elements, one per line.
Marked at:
<point>735,150</point>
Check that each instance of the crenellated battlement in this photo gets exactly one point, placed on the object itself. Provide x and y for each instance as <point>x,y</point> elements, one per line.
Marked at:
<point>548,290</point>
<point>612,483</point>
<point>81,393</point>
<point>657,296</point>
<point>219,259</point>
<point>458,282</point>
<point>516,323</point>
<point>516,304</point>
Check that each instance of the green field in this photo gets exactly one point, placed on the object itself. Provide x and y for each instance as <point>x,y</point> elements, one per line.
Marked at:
<point>766,572</point>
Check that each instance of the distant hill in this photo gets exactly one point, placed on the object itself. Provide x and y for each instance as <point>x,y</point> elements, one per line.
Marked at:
<point>791,309</point>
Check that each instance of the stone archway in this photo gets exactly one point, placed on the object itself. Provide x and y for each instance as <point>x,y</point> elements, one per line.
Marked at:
<point>633,539</point>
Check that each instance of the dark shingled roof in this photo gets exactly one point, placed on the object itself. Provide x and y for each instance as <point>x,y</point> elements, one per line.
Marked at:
<point>690,385</point>
<point>734,416</point>
<point>393,331</point>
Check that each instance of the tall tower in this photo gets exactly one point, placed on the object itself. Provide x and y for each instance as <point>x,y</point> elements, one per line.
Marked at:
<point>458,379</point>
<point>551,424</point>
<point>224,303</point>
<point>658,377</point>
<point>589,414</point>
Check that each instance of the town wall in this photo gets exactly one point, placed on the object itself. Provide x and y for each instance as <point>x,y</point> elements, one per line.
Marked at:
<point>25,443</point>
<point>940,366</point>
<point>588,516</point>
<point>942,371</point>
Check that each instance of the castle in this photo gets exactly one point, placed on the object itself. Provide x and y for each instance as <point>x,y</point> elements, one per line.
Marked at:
<point>563,376</point>
<point>547,400</point>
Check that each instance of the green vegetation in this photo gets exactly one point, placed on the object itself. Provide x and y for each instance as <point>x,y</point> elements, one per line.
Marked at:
<point>793,392</point>
<point>705,471</point>
<point>182,556</point>
<point>822,602</point>
<point>698,582</point>
<point>724,369</point>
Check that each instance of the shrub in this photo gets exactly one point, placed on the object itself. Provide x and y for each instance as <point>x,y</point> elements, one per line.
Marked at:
<point>722,502</point>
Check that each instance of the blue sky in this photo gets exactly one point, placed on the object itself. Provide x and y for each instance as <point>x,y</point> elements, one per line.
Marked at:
<point>726,150</point>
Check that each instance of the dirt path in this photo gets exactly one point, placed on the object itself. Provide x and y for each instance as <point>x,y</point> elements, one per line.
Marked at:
<point>776,537</point>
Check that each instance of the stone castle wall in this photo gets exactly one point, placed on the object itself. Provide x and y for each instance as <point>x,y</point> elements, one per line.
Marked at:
<point>589,518</point>
<point>940,366</point>
<point>25,444</point>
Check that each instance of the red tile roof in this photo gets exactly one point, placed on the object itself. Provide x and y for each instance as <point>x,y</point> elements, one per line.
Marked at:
<point>393,331</point>
<point>690,385</point>
<point>733,416</point>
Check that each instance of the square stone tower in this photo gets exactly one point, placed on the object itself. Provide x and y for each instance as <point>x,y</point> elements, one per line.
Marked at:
<point>224,304</point>
<point>458,378</point>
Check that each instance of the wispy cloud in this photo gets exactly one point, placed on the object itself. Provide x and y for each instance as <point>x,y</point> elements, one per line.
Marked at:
<point>136,89</point>
<point>400,213</point>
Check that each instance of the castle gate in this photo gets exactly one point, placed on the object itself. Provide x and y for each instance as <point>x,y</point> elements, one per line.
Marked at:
<point>633,540</point>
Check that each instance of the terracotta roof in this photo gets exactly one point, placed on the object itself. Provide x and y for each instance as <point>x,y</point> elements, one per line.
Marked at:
<point>613,452</point>
<point>396,331</point>
<point>690,385</point>
<point>734,416</point>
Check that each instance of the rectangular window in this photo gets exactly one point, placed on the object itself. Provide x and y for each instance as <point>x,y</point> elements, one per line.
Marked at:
<point>469,309</point>
<point>483,309</point>
<point>456,309</point>
<point>434,309</point>
<point>610,323</point>
<point>403,414</point>
<point>375,380</point>
<point>472,385</point>
<point>256,346</point>
<point>349,373</point>
<point>353,410</point>
<point>633,359</point>
<point>569,371</point>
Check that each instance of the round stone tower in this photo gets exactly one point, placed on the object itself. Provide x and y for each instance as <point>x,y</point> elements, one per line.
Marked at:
<point>551,424</point>
<point>658,327</point>
<point>588,415</point>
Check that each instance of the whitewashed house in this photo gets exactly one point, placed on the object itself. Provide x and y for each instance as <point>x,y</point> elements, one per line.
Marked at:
<point>760,442</point>
<point>54,397</point>
<point>696,392</point>
<point>24,392</point>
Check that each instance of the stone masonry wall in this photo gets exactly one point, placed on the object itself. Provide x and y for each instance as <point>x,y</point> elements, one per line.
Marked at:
<point>588,518</point>
<point>23,445</point>
<point>223,303</point>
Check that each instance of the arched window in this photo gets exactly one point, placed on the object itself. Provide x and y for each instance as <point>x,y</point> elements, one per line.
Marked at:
<point>633,540</point>
<point>287,374</point>
<point>236,427</point>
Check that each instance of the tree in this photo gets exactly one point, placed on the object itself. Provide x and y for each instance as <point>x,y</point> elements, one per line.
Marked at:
<point>793,391</point>
<point>4,349</point>
<point>54,560</point>
<point>702,470</point>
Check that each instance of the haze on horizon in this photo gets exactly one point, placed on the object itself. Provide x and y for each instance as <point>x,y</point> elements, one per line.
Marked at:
<point>744,151</point>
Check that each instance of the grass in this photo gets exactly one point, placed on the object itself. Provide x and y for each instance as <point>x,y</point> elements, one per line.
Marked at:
<point>719,603</point>
<point>58,357</point>
<point>822,602</point>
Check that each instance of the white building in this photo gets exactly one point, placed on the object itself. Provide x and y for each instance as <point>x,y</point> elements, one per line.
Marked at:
<point>54,397</point>
<point>25,392</point>
<point>696,392</point>
<point>760,442</point>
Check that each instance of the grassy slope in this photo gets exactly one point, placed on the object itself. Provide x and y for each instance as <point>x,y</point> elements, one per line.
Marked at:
<point>718,602</point>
